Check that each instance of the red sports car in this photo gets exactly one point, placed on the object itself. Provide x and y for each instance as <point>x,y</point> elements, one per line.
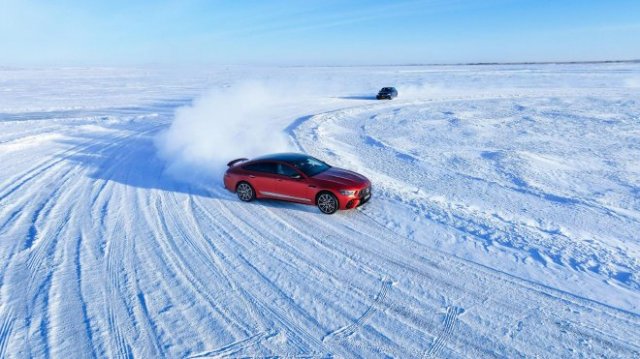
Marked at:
<point>298,178</point>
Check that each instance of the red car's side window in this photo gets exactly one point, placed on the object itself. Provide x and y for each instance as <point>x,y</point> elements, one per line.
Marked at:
<point>286,170</point>
<point>263,167</point>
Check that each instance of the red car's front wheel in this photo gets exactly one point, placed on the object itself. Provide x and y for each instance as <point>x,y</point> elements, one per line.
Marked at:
<point>327,203</point>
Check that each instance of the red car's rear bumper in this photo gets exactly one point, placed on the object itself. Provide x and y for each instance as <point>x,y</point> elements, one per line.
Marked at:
<point>229,183</point>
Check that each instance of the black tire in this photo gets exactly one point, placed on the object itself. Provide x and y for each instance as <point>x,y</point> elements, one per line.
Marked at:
<point>327,203</point>
<point>245,192</point>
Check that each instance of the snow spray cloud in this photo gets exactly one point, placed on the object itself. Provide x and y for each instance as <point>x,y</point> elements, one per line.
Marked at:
<point>415,91</point>
<point>224,124</point>
<point>245,119</point>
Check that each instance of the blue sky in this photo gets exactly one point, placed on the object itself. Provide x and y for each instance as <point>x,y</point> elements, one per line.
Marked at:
<point>329,32</point>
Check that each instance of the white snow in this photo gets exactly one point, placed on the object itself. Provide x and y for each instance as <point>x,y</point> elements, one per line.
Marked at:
<point>505,219</point>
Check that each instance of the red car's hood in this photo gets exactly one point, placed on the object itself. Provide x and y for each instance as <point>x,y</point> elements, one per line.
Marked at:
<point>342,177</point>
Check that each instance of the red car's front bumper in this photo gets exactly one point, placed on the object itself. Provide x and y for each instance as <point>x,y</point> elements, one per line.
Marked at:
<point>360,198</point>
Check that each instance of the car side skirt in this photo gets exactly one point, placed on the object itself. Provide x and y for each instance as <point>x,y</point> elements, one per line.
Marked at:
<point>284,197</point>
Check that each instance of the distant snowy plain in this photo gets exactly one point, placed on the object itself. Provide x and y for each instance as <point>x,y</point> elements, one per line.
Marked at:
<point>505,220</point>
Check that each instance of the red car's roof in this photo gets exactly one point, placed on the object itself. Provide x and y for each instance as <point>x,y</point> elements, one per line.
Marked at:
<point>284,157</point>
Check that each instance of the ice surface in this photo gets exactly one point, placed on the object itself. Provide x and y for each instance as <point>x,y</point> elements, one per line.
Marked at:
<point>504,221</point>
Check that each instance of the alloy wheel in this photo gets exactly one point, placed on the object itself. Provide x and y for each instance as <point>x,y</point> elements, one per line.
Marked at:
<point>327,203</point>
<point>245,192</point>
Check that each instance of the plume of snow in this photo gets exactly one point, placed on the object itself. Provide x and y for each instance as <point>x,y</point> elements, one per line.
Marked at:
<point>223,124</point>
<point>238,120</point>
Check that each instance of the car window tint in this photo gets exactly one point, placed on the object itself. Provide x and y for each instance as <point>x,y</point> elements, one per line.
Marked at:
<point>265,167</point>
<point>286,170</point>
<point>311,166</point>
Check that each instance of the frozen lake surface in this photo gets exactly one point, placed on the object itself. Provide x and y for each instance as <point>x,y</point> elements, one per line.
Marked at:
<point>505,220</point>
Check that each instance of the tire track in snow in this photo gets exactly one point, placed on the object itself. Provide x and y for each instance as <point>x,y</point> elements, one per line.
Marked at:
<point>136,308</point>
<point>348,330</point>
<point>120,313</point>
<point>163,214</point>
<point>295,255</point>
<point>114,292</point>
<point>303,337</point>
<point>132,317</point>
<point>573,300</point>
<point>35,248</point>
<point>59,198</point>
<point>448,326</point>
<point>544,294</point>
<point>301,258</point>
<point>509,281</point>
<point>65,205</point>
<point>117,293</point>
<point>91,241</point>
<point>6,325</point>
<point>481,226</point>
<point>128,169</point>
<point>36,290</point>
<point>167,228</point>
<point>588,333</point>
<point>234,348</point>
<point>342,236</point>
<point>380,240</point>
<point>221,258</point>
<point>60,159</point>
<point>142,261</point>
<point>231,249</point>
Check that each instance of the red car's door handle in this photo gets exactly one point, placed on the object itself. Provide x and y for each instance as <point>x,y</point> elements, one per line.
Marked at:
<point>312,186</point>
<point>252,176</point>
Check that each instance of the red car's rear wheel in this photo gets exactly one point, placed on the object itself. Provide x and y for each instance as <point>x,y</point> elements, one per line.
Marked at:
<point>245,192</point>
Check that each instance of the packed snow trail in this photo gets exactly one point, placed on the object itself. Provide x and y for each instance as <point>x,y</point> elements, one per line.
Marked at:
<point>103,254</point>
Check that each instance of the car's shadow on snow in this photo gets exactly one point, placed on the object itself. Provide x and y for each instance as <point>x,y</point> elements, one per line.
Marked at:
<point>283,205</point>
<point>126,154</point>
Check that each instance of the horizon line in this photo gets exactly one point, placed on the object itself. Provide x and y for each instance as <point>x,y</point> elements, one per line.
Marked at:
<point>482,63</point>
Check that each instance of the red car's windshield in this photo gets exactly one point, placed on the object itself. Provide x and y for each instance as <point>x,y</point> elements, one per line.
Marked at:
<point>310,166</point>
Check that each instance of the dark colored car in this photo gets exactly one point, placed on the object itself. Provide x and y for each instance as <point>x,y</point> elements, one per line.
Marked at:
<point>387,93</point>
<point>297,177</point>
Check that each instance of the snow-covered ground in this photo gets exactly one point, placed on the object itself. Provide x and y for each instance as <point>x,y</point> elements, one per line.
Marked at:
<point>505,220</point>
